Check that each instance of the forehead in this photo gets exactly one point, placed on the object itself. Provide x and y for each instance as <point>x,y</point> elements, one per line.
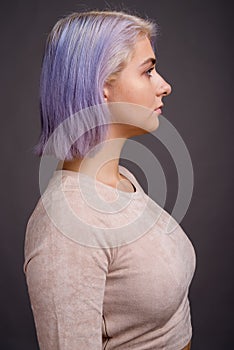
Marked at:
<point>142,50</point>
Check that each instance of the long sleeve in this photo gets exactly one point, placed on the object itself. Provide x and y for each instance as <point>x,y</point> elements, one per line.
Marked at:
<point>66,283</point>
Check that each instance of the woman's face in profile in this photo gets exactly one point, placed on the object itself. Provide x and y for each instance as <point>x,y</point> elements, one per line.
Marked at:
<point>139,83</point>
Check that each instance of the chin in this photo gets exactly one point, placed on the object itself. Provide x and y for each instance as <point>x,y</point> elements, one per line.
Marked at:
<point>153,124</point>
<point>141,131</point>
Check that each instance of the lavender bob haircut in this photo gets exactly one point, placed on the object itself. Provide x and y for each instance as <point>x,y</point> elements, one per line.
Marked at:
<point>83,52</point>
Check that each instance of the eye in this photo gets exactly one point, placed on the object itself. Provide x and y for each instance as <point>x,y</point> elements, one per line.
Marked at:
<point>149,71</point>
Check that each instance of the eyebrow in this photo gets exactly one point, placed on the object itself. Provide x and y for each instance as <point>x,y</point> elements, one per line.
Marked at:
<point>149,60</point>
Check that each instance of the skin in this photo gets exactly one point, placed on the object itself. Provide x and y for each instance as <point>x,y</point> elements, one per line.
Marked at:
<point>143,88</point>
<point>140,84</point>
<point>188,347</point>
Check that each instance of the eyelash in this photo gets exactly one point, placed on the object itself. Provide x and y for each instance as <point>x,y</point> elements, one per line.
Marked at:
<point>148,72</point>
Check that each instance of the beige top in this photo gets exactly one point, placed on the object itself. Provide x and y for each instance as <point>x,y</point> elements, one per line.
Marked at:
<point>103,270</point>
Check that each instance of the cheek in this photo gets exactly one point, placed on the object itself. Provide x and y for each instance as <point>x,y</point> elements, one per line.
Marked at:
<point>138,92</point>
<point>135,114</point>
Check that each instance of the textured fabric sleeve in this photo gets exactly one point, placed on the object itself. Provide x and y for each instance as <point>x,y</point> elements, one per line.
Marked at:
<point>66,283</point>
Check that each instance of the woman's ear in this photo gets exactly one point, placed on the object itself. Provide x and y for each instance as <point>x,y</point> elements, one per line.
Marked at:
<point>106,92</point>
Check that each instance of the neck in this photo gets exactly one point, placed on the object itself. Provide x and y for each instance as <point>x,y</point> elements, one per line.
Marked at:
<point>104,165</point>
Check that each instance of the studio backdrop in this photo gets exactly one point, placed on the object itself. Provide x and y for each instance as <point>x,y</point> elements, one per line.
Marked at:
<point>194,49</point>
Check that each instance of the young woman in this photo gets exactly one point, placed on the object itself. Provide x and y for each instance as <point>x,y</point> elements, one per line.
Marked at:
<point>101,269</point>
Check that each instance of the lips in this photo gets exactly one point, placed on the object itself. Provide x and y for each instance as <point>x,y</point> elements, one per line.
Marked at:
<point>160,107</point>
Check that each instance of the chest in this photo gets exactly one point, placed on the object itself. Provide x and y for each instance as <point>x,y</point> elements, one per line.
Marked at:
<point>150,277</point>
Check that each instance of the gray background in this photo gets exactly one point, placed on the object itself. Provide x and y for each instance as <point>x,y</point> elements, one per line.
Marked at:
<point>195,52</point>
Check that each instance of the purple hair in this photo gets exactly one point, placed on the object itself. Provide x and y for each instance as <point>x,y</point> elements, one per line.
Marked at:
<point>83,51</point>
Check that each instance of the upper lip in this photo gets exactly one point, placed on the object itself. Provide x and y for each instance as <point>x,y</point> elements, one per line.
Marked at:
<point>160,106</point>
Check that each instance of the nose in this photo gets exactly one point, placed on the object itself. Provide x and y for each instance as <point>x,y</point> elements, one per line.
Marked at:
<point>164,88</point>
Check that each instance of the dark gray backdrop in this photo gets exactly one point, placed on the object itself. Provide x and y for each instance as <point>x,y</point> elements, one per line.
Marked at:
<point>195,52</point>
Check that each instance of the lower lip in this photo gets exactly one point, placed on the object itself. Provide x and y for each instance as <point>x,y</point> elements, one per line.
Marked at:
<point>158,110</point>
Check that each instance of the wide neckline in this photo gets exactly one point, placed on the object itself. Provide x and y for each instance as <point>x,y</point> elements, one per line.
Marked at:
<point>122,170</point>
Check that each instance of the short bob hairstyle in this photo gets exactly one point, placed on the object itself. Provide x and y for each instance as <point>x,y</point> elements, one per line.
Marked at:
<point>83,52</point>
